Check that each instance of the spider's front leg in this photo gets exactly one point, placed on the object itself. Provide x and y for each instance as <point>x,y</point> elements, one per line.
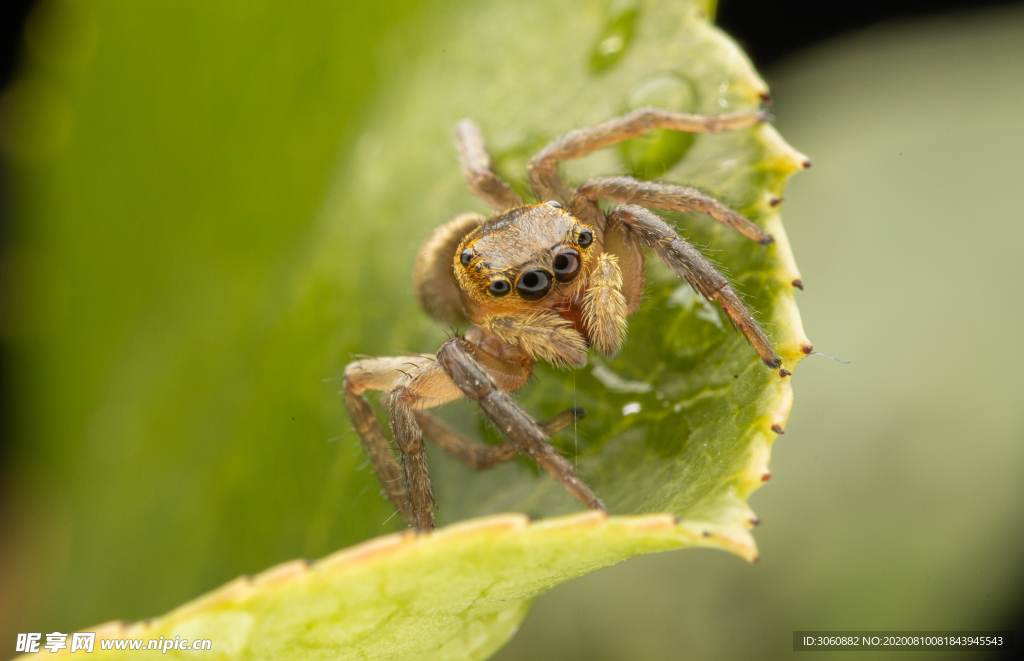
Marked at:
<point>456,357</point>
<point>479,171</point>
<point>543,173</point>
<point>687,262</point>
<point>626,190</point>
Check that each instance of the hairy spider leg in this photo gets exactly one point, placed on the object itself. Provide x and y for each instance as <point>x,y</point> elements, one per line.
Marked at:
<point>419,382</point>
<point>626,190</point>
<point>389,472</point>
<point>690,264</point>
<point>480,456</point>
<point>457,359</point>
<point>479,171</point>
<point>543,167</point>
<point>415,381</point>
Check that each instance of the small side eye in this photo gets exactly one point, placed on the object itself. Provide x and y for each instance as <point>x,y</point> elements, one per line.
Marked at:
<point>567,265</point>
<point>466,257</point>
<point>499,288</point>
<point>585,238</point>
<point>553,203</point>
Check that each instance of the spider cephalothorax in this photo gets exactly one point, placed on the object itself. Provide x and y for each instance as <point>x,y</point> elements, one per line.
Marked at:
<point>529,255</point>
<point>536,281</point>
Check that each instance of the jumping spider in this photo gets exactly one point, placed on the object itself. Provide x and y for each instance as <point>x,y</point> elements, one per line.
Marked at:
<point>538,281</point>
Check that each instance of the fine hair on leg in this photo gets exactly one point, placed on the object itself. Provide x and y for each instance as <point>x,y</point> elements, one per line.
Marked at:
<point>457,360</point>
<point>409,438</point>
<point>480,456</point>
<point>690,264</point>
<point>626,190</point>
<point>542,169</point>
<point>479,171</point>
<point>364,421</point>
<point>411,383</point>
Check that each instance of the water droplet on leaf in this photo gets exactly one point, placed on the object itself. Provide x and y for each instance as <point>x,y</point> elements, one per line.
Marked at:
<point>654,154</point>
<point>614,38</point>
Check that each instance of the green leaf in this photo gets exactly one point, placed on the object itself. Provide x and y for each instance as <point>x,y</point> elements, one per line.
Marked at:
<point>210,389</point>
<point>438,596</point>
<point>699,444</point>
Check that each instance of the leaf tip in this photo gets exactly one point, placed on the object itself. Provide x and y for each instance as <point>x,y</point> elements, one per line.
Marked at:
<point>734,538</point>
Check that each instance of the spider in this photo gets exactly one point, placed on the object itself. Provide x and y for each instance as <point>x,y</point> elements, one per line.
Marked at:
<point>538,282</point>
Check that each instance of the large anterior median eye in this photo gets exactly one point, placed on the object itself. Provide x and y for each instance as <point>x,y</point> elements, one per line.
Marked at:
<point>534,284</point>
<point>567,265</point>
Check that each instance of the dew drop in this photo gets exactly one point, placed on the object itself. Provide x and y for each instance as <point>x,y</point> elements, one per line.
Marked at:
<point>611,46</point>
<point>614,38</point>
<point>652,155</point>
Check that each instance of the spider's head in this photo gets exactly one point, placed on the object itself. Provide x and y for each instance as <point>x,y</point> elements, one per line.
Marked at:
<point>528,257</point>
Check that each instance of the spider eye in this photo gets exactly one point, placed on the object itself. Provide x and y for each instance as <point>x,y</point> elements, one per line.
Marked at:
<point>498,287</point>
<point>534,284</point>
<point>585,238</point>
<point>466,257</point>
<point>567,265</point>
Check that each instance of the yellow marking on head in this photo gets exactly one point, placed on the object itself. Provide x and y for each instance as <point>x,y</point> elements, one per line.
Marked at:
<point>507,246</point>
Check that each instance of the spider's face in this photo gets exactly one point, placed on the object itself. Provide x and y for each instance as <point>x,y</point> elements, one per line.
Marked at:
<point>523,258</point>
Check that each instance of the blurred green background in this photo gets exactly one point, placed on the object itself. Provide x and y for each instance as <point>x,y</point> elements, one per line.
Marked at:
<point>896,496</point>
